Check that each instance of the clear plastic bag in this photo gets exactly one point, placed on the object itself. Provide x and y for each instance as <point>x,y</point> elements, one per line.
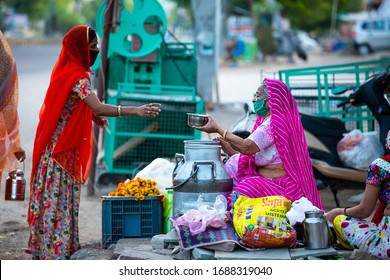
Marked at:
<point>358,149</point>
<point>198,220</point>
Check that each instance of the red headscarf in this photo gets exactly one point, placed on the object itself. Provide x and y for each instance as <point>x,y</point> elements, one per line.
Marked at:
<point>72,65</point>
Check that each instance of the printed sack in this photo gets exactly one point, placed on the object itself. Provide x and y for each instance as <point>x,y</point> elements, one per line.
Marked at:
<point>261,222</point>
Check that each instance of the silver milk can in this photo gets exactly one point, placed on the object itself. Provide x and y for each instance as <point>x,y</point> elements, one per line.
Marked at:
<point>200,177</point>
<point>179,158</point>
<point>15,185</point>
<point>315,230</point>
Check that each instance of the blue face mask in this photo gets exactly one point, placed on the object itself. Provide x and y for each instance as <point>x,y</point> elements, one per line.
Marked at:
<point>260,109</point>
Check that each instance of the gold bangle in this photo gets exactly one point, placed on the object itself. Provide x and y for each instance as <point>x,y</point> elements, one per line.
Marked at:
<point>224,134</point>
<point>119,110</point>
<point>345,211</point>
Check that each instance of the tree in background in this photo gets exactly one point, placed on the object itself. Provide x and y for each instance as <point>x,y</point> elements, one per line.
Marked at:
<point>317,21</point>
<point>262,15</point>
<point>35,9</point>
<point>59,15</point>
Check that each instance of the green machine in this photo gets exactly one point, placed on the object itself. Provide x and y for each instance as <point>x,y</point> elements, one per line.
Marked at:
<point>141,68</point>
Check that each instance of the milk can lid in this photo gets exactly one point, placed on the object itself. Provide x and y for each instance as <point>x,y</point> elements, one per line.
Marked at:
<point>314,213</point>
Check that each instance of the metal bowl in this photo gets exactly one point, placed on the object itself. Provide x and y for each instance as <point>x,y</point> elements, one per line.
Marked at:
<point>196,119</point>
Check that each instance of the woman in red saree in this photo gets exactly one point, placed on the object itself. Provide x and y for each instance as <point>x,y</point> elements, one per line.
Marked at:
<point>274,159</point>
<point>63,146</point>
<point>10,150</point>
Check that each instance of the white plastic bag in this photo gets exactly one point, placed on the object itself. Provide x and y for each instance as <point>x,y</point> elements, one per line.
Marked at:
<point>159,170</point>
<point>298,209</point>
<point>358,150</point>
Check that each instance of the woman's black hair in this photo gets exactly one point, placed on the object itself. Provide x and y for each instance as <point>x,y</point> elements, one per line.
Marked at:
<point>91,34</point>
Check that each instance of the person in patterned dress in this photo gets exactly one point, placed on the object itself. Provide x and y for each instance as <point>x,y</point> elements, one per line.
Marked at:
<point>10,150</point>
<point>352,231</point>
<point>63,146</point>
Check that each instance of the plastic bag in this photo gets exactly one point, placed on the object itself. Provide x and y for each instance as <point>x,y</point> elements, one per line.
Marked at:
<point>198,220</point>
<point>159,170</point>
<point>298,209</point>
<point>261,222</point>
<point>358,150</point>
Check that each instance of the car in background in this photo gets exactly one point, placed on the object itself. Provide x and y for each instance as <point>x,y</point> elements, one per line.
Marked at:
<point>370,32</point>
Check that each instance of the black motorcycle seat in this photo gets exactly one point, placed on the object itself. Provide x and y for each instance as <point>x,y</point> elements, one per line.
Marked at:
<point>323,126</point>
<point>329,131</point>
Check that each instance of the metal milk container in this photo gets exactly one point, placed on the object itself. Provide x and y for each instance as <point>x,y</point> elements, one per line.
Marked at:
<point>199,177</point>
<point>315,230</point>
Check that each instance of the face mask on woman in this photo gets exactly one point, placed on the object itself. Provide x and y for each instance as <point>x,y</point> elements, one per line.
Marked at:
<point>92,56</point>
<point>259,108</point>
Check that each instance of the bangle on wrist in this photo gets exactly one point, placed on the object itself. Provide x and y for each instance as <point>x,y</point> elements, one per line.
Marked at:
<point>345,211</point>
<point>119,109</point>
<point>224,134</point>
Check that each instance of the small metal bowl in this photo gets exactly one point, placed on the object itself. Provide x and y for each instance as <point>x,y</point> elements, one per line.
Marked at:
<point>196,119</point>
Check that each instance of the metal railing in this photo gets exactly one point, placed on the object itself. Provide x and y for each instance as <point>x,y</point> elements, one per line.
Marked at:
<point>312,88</point>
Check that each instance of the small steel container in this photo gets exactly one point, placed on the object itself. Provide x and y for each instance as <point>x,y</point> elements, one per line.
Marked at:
<point>315,230</point>
<point>196,119</point>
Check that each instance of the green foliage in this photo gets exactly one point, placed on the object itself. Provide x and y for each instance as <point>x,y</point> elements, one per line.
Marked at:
<point>183,3</point>
<point>59,15</point>
<point>35,9</point>
<point>308,15</point>
<point>303,16</point>
<point>89,10</point>
<point>66,18</point>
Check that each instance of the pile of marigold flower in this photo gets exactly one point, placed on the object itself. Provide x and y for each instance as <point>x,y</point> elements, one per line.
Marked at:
<point>138,187</point>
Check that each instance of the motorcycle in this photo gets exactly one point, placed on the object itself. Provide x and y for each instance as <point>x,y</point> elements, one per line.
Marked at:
<point>324,133</point>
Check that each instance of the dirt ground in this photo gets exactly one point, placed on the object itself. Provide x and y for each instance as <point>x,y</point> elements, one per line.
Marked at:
<point>14,232</point>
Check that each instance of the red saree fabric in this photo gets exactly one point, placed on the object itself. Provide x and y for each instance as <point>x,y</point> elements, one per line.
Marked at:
<point>290,141</point>
<point>72,65</point>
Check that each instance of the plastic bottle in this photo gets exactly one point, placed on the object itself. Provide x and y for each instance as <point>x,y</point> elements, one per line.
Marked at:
<point>168,203</point>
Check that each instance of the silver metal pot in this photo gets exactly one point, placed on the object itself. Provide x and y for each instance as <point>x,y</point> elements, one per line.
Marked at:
<point>315,230</point>
<point>199,176</point>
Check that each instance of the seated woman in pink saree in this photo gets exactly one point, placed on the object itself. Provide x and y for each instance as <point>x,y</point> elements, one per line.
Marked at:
<point>274,159</point>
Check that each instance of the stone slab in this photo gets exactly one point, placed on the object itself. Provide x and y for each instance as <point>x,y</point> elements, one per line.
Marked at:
<point>131,254</point>
<point>172,237</point>
<point>227,246</point>
<point>202,254</point>
<point>303,253</point>
<point>241,254</point>
<point>141,244</point>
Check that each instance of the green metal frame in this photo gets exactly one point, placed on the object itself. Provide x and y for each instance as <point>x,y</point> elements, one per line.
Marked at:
<point>128,93</point>
<point>316,83</point>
